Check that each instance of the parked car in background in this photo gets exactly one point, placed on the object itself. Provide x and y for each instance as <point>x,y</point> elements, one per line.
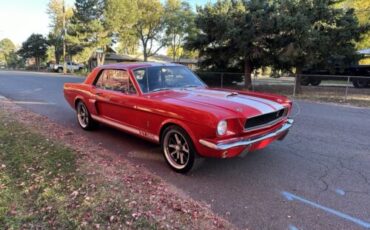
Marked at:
<point>169,105</point>
<point>71,67</point>
<point>315,76</point>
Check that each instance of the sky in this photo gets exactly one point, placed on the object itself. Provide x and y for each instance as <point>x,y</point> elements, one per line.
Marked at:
<point>20,18</point>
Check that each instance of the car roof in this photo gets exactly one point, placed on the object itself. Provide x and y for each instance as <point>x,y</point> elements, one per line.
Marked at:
<point>134,65</point>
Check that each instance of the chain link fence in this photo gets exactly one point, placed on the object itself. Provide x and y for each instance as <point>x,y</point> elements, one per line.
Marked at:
<point>329,88</point>
<point>221,79</point>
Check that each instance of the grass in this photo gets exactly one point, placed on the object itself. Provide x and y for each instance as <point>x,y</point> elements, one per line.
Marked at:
<point>44,185</point>
<point>356,97</point>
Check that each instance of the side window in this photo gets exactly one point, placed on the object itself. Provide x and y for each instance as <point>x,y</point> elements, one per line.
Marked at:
<point>142,79</point>
<point>116,80</point>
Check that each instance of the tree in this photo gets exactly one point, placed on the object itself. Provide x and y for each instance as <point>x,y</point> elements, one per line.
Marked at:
<point>34,47</point>
<point>120,17</point>
<point>149,26</point>
<point>362,12</point>
<point>179,24</point>
<point>233,35</point>
<point>283,33</point>
<point>55,37</point>
<point>311,34</point>
<point>183,53</point>
<point>87,29</point>
<point>7,49</point>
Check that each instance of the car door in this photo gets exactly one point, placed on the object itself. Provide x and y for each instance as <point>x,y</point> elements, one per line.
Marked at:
<point>114,93</point>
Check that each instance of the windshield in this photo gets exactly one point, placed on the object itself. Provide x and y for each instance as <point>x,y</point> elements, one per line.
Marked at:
<point>158,78</point>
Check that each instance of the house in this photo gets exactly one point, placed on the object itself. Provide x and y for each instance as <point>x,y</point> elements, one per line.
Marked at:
<point>111,57</point>
<point>189,62</point>
<point>365,56</point>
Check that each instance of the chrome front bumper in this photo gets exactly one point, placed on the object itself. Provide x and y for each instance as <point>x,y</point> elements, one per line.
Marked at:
<point>247,141</point>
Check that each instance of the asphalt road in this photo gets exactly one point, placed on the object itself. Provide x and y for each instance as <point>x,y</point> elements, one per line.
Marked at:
<point>317,178</point>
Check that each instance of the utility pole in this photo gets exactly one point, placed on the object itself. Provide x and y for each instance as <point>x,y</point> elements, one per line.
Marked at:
<point>64,40</point>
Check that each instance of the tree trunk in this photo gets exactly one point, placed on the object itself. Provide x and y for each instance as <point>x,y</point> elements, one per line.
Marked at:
<point>297,83</point>
<point>145,50</point>
<point>57,56</point>
<point>248,68</point>
<point>100,58</point>
<point>38,63</point>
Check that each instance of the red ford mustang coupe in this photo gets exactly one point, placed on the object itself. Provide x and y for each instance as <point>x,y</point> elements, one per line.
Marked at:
<point>169,105</point>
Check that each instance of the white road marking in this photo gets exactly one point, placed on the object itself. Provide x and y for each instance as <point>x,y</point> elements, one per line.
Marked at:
<point>29,91</point>
<point>291,197</point>
<point>340,192</point>
<point>33,103</point>
<point>292,227</point>
<point>26,102</point>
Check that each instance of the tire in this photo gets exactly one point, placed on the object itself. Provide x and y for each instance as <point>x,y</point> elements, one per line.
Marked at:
<point>360,83</point>
<point>178,149</point>
<point>315,82</point>
<point>84,118</point>
<point>305,81</point>
<point>60,70</point>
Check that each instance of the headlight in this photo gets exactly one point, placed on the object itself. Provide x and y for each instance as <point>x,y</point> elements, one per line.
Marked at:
<point>221,128</point>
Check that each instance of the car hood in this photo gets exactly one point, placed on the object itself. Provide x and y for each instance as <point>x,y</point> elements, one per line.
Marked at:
<point>219,100</point>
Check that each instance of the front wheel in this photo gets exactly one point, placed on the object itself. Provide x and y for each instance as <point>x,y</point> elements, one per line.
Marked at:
<point>178,149</point>
<point>84,118</point>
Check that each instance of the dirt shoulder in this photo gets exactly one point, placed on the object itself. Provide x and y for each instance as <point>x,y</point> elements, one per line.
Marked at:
<point>52,178</point>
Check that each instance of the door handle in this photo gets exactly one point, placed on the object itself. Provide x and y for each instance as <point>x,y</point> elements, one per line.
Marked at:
<point>98,94</point>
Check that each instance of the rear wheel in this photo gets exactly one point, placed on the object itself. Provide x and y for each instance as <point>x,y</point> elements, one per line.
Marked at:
<point>60,70</point>
<point>305,80</point>
<point>360,83</point>
<point>84,118</point>
<point>315,82</point>
<point>178,149</point>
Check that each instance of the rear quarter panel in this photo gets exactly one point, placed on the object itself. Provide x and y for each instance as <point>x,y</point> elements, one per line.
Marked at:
<point>77,91</point>
<point>81,91</point>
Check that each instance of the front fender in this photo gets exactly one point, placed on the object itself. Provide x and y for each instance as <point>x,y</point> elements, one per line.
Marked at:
<point>195,131</point>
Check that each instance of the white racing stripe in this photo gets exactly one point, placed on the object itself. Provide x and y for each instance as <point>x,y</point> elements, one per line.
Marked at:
<point>260,104</point>
<point>271,103</point>
<point>262,107</point>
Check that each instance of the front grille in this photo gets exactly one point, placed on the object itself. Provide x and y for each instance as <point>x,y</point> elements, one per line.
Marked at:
<point>265,119</point>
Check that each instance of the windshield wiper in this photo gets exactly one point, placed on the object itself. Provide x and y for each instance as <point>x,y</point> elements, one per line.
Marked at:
<point>190,86</point>
<point>160,89</point>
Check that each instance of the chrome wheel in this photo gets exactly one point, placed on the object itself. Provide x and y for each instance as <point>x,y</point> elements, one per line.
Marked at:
<point>176,149</point>
<point>83,115</point>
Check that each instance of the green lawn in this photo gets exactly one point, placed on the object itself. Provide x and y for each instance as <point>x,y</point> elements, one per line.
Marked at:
<point>42,185</point>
